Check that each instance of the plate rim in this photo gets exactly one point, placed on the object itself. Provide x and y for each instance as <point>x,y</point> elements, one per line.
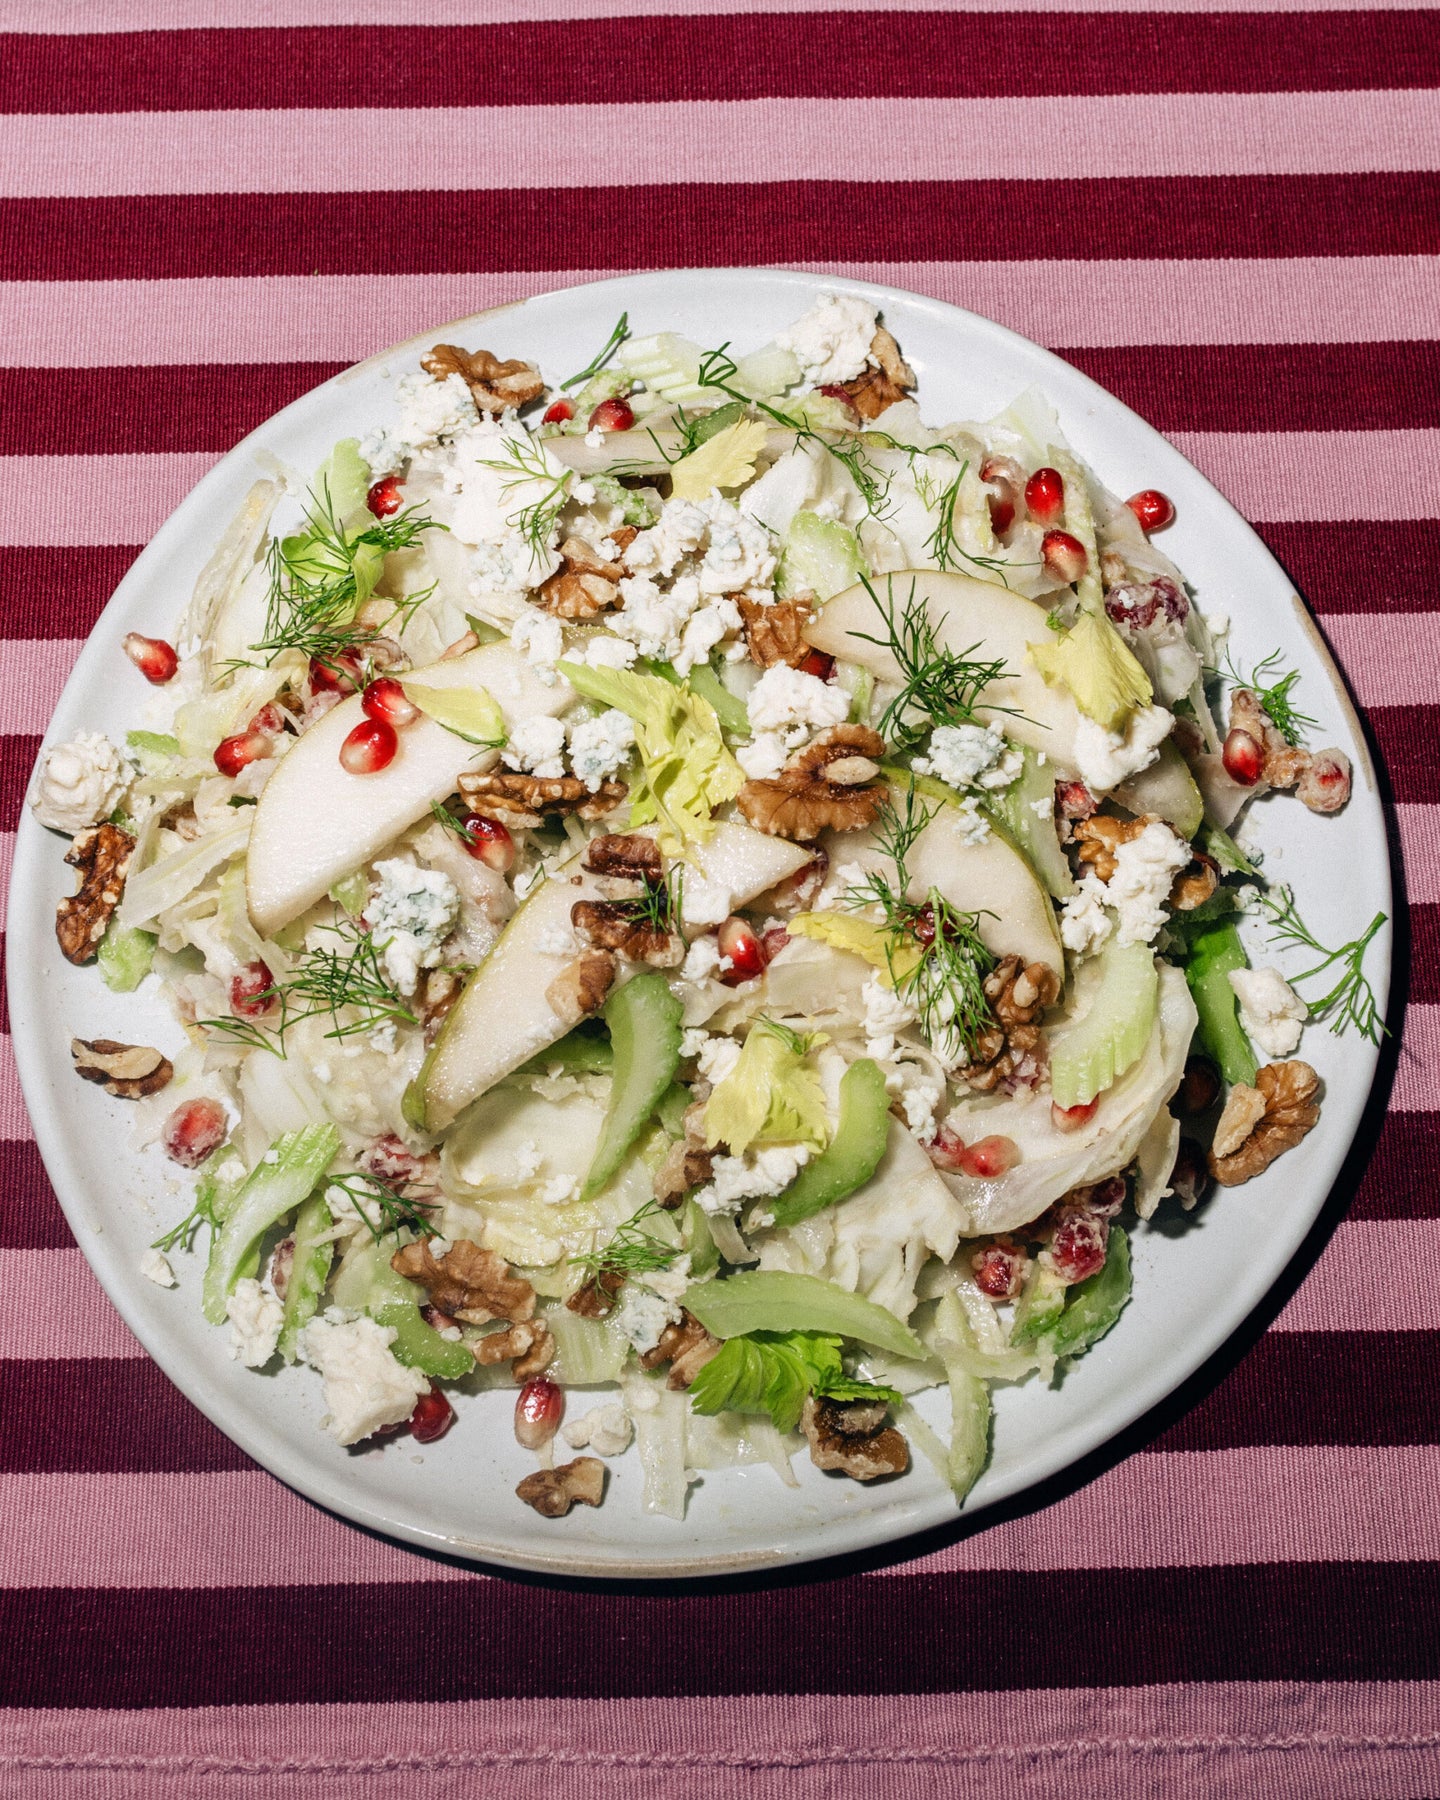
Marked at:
<point>875,1532</point>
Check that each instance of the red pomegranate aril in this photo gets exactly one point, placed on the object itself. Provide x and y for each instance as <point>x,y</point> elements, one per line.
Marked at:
<point>233,754</point>
<point>818,664</point>
<point>432,1418</point>
<point>614,414</point>
<point>1153,509</point>
<point>385,497</point>
<point>250,991</point>
<point>989,1157</point>
<point>1107,1197</point>
<point>1074,800</point>
<point>946,1149</point>
<point>1073,1118</point>
<point>539,1407</point>
<point>340,677</point>
<point>773,942</point>
<point>491,843</point>
<point>740,947</point>
<point>386,699</point>
<point>269,720</point>
<point>156,660</point>
<point>193,1131</point>
<point>1243,758</point>
<point>558,412</point>
<point>1078,1247</point>
<point>1002,516</point>
<point>1045,497</point>
<point>1000,1269</point>
<point>1064,556</point>
<point>370,747</point>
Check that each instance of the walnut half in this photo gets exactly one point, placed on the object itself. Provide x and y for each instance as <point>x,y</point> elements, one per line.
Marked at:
<point>614,925</point>
<point>102,855</point>
<point>581,986</point>
<point>886,379</point>
<point>586,586</point>
<point>128,1071</point>
<point>773,633</point>
<point>523,800</point>
<point>852,1436</point>
<point>526,1345</point>
<point>687,1346</point>
<point>468,1283</point>
<point>1018,993</point>
<point>552,1492</point>
<point>830,786</point>
<point>495,386</point>
<point>1263,1122</point>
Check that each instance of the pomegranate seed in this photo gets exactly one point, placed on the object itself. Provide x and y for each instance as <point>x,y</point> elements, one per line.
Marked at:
<point>946,1150</point>
<point>558,412</point>
<point>614,414</point>
<point>1000,1269</point>
<point>539,1407</point>
<point>385,699</point>
<point>1199,1088</point>
<point>1002,516</point>
<point>1190,1178</point>
<point>1153,509</point>
<point>193,1131</point>
<point>836,391</point>
<point>818,664</point>
<point>153,657</point>
<point>1073,1118</point>
<point>340,677</point>
<point>385,497</point>
<point>370,747</point>
<point>1078,1246</point>
<point>773,942</point>
<point>1045,497</point>
<point>1325,784</point>
<point>1075,800</point>
<point>250,991</point>
<point>1243,758</point>
<point>742,949</point>
<point>1106,1198</point>
<point>989,1157</point>
<point>233,754</point>
<point>390,1161</point>
<point>269,720</point>
<point>1064,556</point>
<point>492,843</point>
<point>432,1418</point>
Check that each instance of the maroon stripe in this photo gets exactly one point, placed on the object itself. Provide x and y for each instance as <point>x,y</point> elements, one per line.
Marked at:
<point>1405,737</point>
<point>30,1216</point>
<point>782,222</point>
<point>54,412</point>
<point>104,1414</point>
<point>1402,1179</point>
<point>1388,565</point>
<point>58,593</point>
<point>730,57</point>
<point>1272,387</point>
<point>1299,1387</point>
<point>450,1641</point>
<point>17,760</point>
<point>1424,983</point>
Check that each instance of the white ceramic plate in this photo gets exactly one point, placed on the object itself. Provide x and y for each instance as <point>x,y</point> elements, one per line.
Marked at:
<point>1192,1286</point>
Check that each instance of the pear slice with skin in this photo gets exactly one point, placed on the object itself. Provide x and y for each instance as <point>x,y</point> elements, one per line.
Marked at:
<point>993,879</point>
<point>316,823</point>
<point>969,618</point>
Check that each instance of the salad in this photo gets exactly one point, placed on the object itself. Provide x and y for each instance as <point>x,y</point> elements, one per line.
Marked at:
<point>697,897</point>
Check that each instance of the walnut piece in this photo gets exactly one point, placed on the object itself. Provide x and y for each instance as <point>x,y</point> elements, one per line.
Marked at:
<point>128,1071</point>
<point>471,1284</point>
<point>102,855</point>
<point>852,1436</point>
<point>526,1345</point>
<point>1288,1091</point>
<point>1195,883</point>
<point>1010,1050</point>
<point>687,1165</point>
<point>581,986</point>
<point>495,386</point>
<point>597,1294</point>
<point>552,1492</point>
<point>888,378</point>
<point>773,633</point>
<point>1098,838</point>
<point>628,855</point>
<point>614,925</point>
<point>1244,1109</point>
<point>687,1346</point>
<point>1320,778</point>
<point>586,586</point>
<point>523,800</point>
<point>830,786</point>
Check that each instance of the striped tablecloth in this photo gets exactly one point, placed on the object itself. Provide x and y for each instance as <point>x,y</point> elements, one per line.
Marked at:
<point>1231,218</point>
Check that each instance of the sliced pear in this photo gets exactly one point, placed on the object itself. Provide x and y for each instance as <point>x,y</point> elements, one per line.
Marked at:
<point>316,822</point>
<point>969,617</point>
<point>993,879</point>
<point>737,862</point>
<point>1167,789</point>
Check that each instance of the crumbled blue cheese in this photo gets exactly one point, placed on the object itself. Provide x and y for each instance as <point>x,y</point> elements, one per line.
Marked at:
<point>794,704</point>
<point>1272,1013</point>
<point>767,1169</point>
<point>609,653</point>
<point>606,1430</point>
<point>1105,758</point>
<point>1084,922</point>
<point>255,1319</point>
<point>764,756</point>
<point>886,1015</point>
<point>80,783</point>
<point>431,413</point>
<point>366,1389</point>
<point>718,1057</point>
<point>702,960</point>
<point>155,1267</point>
<point>410,916</point>
<point>536,746</point>
<point>1145,871</point>
<point>600,748</point>
<point>970,756</point>
<point>919,1090</point>
<point>832,341</point>
<point>538,637</point>
<point>642,1316</point>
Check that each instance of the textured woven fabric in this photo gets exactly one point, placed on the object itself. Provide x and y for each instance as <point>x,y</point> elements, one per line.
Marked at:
<point>1228,216</point>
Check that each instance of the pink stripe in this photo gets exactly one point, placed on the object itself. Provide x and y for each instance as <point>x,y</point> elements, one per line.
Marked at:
<point>1221,1740</point>
<point>1420,841</point>
<point>1155,1510</point>
<point>76,1320</point>
<point>1390,659</point>
<point>1282,476</point>
<point>341,318</point>
<point>1331,1299</point>
<point>36,669</point>
<point>95,499</point>
<point>327,150</point>
<point>7,858</point>
<point>14,1120</point>
<point>1417,1075</point>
